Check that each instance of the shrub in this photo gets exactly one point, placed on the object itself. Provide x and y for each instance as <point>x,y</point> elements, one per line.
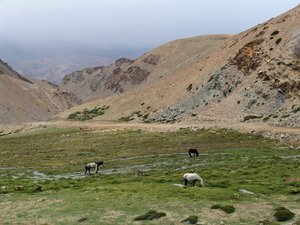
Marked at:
<point>285,116</point>
<point>82,219</point>
<point>150,215</point>
<point>228,209</point>
<point>296,110</point>
<point>284,215</point>
<point>251,117</point>
<point>145,116</point>
<point>126,119</point>
<point>88,114</point>
<point>216,206</point>
<point>275,33</point>
<point>189,87</point>
<point>191,219</point>
<point>278,41</point>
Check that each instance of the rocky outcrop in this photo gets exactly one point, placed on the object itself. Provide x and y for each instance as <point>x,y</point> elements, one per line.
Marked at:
<point>99,82</point>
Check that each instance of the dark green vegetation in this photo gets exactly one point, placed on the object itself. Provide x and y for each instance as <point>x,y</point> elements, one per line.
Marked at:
<point>226,208</point>
<point>191,220</point>
<point>42,174</point>
<point>88,114</point>
<point>150,215</point>
<point>283,214</point>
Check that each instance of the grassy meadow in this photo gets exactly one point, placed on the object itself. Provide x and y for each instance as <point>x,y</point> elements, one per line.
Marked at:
<point>42,177</point>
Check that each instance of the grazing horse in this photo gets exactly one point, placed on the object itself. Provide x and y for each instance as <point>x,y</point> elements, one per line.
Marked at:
<point>192,177</point>
<point>193,151</point>
<point>93,165</point>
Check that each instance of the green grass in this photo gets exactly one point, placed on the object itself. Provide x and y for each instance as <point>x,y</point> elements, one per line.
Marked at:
<point>42,174</point>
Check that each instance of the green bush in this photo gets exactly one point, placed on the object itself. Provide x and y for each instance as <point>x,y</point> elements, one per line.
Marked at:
<point>150,215</point>
<point>275,33</point>
<point>145,116</point>
<point>191,219</point>
<point>216,206</point>
<point>278,40</point>
<point>126,119</point>
<point>189,87</point>
<point>88,114</point>
<point>285,116</point>
<point>82,219</point>
<point>228,209</point>
<point>296,110</point>
<point>284,215</point>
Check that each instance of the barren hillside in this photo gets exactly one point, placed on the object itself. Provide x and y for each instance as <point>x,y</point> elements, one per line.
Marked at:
<point>25,99</point>
<point>99,82</point>
<point>253,75</point>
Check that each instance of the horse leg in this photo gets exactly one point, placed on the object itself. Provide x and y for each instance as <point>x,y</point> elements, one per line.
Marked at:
<point>193,183</point>
<point>185,182</point>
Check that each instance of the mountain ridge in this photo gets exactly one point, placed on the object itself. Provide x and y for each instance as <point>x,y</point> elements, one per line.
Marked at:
<point>253,74</point>
<point>99,82</point>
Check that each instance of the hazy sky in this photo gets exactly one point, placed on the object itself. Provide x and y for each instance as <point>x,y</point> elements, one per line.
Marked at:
<point>132,23</point>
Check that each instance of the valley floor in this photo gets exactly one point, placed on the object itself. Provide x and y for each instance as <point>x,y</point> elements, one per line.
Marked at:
<point>287,135</point>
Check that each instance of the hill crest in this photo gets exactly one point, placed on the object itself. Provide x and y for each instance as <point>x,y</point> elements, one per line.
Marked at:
<point>254,73</point>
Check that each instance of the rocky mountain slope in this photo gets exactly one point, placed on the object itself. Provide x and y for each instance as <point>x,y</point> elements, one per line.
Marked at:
<point>25,99</point>
<point>252,76</point>
<point>99,82</point>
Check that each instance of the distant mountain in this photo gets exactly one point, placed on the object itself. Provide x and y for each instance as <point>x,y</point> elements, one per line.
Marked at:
<point>251,76</point>
<point>24,99</point>
<point>52,61</point>
<point>94,83</point>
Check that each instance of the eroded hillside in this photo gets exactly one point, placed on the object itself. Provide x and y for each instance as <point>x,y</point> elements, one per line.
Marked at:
<point>26,100</point>
<point>252,76</point>
<point>94,83</point>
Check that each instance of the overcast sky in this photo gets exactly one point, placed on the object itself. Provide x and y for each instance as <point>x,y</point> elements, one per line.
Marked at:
<point>131,23</point>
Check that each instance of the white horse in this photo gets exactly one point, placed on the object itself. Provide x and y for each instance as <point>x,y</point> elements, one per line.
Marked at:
<point>93,165</point>
<point>192,177</point>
